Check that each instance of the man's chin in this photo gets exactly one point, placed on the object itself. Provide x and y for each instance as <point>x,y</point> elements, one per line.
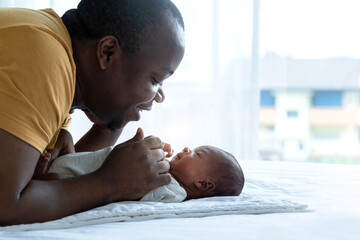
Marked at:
<point>118,124</point>
<point>114,126</point>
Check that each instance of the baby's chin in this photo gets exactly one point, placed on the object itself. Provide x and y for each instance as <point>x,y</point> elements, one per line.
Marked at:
<point>170,172</point>
<point>171,165</point>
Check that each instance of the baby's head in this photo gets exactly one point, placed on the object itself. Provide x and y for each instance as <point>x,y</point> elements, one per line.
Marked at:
<point>207,171</point>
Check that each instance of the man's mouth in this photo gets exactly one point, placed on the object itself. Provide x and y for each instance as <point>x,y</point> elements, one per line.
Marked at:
<point>141,108</point>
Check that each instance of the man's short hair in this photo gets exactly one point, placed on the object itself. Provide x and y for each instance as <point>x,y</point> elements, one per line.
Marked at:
<point>130,21</point>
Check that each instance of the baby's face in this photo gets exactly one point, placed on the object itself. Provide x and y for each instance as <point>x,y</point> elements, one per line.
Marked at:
<point>189,165</point>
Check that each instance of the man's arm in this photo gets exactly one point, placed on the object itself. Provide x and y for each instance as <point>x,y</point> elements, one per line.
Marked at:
<point>64,145</point>
<point>24,200</point>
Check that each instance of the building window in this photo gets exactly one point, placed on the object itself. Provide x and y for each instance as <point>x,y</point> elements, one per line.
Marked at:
<point>326,133</point>
<point>267,98</point>
<point>301,146</point>
<point>292,114</point>
<point>332,98</point>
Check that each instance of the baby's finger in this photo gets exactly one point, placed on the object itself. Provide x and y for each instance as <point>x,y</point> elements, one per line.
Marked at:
<point>169,154</point>
<point>167,148</point>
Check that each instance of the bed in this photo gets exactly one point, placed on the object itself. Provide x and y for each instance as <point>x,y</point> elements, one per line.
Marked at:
<point>331,194</point>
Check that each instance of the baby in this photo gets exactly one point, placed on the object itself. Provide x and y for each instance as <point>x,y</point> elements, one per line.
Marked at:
<point>203,172</point>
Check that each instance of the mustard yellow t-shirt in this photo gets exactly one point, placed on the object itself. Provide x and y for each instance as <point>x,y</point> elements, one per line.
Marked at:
<point>37,75</point>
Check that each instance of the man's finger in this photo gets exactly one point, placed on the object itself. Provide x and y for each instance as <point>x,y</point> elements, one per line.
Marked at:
<point>139,135</point>
<point>54,153</point>
<point>150,136</point>
<point>157,154</point>
<point>162,167</point>
<point>42,165</point>
<point>153,143</point>
<point>164,179</point>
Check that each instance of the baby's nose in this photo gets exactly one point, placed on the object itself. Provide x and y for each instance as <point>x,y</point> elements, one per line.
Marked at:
<point>186,150</point>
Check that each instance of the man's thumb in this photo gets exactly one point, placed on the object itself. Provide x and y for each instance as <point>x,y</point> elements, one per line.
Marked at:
<point>139,134</point>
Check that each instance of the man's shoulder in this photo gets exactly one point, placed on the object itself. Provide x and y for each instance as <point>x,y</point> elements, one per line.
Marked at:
<point>33,27</point>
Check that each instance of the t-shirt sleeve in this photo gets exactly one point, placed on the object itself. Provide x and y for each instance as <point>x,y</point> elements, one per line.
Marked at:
<point>36,84</point>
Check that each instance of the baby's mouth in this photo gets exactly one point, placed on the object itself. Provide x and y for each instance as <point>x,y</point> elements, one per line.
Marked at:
<point>175,157</point>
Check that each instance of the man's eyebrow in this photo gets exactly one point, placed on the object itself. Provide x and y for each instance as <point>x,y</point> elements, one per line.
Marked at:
<point>168,72</point>
<point>165,74</point>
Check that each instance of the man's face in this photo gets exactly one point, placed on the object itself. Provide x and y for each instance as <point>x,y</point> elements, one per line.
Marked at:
<point>137,79</point>
<point>192,165</point>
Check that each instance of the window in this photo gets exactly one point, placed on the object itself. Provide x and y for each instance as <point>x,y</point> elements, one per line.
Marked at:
<point>326,133</point>
<point>267,98</point>
<point>327,98</point>
<point>292,114</point>
<point>315,75</point>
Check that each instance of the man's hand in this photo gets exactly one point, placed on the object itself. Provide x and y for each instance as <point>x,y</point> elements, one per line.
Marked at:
<point>135,167</point>
<point>64,145</point>
<point>166,147</point>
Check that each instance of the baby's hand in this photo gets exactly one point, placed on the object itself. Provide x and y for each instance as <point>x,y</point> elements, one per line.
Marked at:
<point>166,147</point>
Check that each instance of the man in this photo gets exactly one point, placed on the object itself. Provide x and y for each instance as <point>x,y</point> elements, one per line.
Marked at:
<point>123,50</point>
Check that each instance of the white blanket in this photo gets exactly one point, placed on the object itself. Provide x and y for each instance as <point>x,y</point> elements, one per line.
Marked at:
<point>255,199</point>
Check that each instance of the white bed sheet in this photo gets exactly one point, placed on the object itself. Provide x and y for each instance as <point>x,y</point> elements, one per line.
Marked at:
<point>331,191</point>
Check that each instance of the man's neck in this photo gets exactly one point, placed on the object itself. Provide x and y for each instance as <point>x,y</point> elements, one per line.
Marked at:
<point>78,101</point>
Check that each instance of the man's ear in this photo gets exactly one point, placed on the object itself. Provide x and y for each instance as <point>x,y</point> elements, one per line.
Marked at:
<point>107,47</point>
<point>205,185</point>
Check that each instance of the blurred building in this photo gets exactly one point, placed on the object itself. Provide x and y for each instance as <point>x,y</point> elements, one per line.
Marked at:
<point>309,109</point>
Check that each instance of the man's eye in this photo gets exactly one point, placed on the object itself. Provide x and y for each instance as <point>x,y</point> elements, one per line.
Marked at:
<point>154,81</point>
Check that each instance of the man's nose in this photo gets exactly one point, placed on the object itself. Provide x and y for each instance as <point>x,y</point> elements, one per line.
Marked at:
<point>160,96</point>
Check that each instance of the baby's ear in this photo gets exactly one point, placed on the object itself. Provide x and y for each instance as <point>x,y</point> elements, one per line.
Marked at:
<point>205,185</point>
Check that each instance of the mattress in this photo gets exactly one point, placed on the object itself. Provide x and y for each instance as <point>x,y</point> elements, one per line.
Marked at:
<point>331,192</point>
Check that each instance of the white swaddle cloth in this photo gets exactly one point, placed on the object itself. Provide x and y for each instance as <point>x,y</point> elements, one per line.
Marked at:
<point>76,164</point>
<point>172,192</point>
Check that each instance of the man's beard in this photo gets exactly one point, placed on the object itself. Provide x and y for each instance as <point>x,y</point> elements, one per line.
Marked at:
<point>118,123</point>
